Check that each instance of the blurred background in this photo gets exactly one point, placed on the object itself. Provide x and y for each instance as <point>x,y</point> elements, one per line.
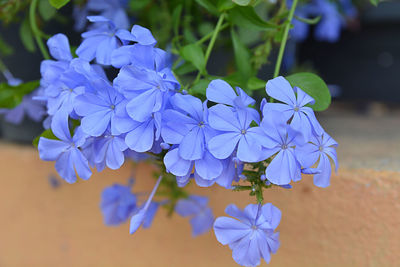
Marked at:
<point>354,222</point>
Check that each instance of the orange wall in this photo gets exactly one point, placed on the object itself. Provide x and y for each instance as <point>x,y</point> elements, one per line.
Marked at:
<point>354,222</point>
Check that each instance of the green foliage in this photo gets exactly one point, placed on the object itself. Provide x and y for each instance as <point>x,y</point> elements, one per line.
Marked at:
<point>5,48</point>
<point>242,2</point>
<point>194,54</point>
<point>242,57</point>
<point>309,21</point>
<point>11,96</point>
<point>248,18</point>
<point>314,86</point>
<point>46,134</point>
<point>58,3</point>
<point>46,10</point>
<point>26,35</point>
<point>375,2</point>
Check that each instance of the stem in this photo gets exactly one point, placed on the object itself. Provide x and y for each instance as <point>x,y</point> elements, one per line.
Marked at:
<point>36,32</point>
<point>284,39</point>
<point>212,42</point>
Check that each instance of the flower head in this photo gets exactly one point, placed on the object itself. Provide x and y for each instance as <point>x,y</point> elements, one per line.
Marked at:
<point>117,204</point>
<point>320,148</point>
<point>294,107</point>
<point>201,216</point>
<point>251,235</point>
<point>65,151</point>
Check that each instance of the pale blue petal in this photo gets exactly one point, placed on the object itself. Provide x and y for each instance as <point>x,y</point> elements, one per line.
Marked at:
<point>175,164</point>
<point>323,179</point>
<point>59,47</point>
<point>228,230</point>
<point>223,145</point>
<point>219,91</point>
<point>221,117</point>
<point>280,89</point>
<point>50,150</point>
<point>192,145</point>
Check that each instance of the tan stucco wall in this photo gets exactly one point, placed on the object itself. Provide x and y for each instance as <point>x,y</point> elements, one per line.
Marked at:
<point>355,222</point>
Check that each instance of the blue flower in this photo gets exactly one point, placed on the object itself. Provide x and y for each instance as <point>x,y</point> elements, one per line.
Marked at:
<point>101,41</point>
<point>221,92</point>
<point>144,216</point>
<point>98,108</point>
<point>113,10</point>
<point>68,82</point>
<point>236,133</point>
<point>251,237</point>
<point>147,90</point>
<point>319,148</point>
<point>109,150</point>
<point>117,204</point>
<point>280,138</point>
<point>65,151</point>
<point>140,136</point>
<point>329,27</point>
<point>145,56</point>
<point>202,218</point>
<point>294,107</point>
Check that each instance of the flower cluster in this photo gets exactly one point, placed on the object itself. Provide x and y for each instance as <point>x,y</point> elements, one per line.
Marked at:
<point>333,19</point>
<point>98,124</point>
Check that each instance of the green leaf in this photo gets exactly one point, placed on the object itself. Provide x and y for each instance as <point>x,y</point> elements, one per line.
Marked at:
<point>224,5</point>
<point>314,86</point>
<point>58,3</point>
<point>242,56</point>
<point>199,88</point>
<point>207,4</point>
<point>256,84</point>
<point>176,19</point>
<point>309,21</point>
<point>185,68</point>
<point>46,10</point>
<point>245,16</point>
<point>5,48</point>
<point>11,96</point>
<point>46,134</point>
<point>138,4</point>
<point>25,33</point>
<point>242,2</point>
<point>194,54</point>
<point>375,2</point>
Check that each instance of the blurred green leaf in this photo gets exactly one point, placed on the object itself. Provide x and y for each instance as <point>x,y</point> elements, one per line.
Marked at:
<point>207,4</point>
<point>375,2</point>
<point>138,4</point>
<point>242,56</point>
<point>242,2</point>
<point>224,5</point>
<point>46,10</point>
<point>176,19</point>
<point>309,21</point>
<point>46,134</point>
<point>256,83</point>
<point>26,35</point>
<point>11,96</point>
<point>58,3</point>
<point>200,87</point>
<point>5,49</point>
<point>313,85</point>
<point>185,68</point>
<point>245,16</point>
<point>194,54</point>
